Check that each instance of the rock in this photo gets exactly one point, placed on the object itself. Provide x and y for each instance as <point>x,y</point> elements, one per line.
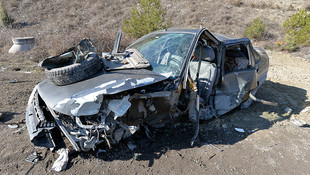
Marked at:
<point>224,126</point>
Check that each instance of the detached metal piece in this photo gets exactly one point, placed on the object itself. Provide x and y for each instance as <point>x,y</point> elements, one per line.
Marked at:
<point>63,129</point>
<point>33,158</point>
<point>262,101</point>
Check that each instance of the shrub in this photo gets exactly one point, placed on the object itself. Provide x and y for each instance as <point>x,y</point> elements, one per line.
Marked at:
<point>6,19</point>
<point>256,30</point>
<point>290,43</point>
<point>149,16</point>
<point>298,28</point>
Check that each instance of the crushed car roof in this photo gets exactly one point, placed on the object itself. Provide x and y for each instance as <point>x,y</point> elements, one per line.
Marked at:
<point>222,38</point>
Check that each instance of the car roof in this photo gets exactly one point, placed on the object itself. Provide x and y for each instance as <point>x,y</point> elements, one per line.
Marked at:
<point>220,37</point>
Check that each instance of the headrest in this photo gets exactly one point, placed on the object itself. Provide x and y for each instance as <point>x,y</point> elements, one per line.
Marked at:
<point>207,53</point>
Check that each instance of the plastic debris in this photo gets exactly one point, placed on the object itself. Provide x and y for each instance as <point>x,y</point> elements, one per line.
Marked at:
<point>239,129</point>
<point>27,72</point>
<point>62,161</point>
<point>131,146</point>
<point>298,122</point>
<point>13,81</point>
<point>13,126</point>
<point>288,110</point>
<point>33,158</point>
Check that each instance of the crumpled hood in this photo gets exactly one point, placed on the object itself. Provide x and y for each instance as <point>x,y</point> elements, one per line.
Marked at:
<point>85,97</point>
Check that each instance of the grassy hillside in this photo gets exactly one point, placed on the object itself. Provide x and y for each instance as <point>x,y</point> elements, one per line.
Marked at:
<point>57,25</point>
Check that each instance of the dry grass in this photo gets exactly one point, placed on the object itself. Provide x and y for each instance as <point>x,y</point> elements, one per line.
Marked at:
<point>58,25</point>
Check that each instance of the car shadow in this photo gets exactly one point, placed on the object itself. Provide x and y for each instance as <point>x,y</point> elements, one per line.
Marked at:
<point>7,116</point>
<point>291,100</point>
<point>221,130</point>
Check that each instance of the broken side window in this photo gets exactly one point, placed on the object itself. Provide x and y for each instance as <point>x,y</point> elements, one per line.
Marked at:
<point>236,58</point>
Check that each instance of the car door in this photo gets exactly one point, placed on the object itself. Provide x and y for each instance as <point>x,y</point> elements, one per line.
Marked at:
<point>239,76</point>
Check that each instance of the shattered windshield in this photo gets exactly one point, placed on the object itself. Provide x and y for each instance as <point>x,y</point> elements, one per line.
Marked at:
<point>165,52</point>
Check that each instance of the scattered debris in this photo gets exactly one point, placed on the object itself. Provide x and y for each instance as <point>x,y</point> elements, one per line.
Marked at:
<point>20,130</point>
<point>219,149</point>
<point>239,129</point>
<point>224,126</point>
<point>254,130</point>
<point>13,126</point>
<point>27,72</point>
<point>136,155</point>
<point>212,156</point>
<point>61,163</point>
<point>2,69</point>
<point>100,151</point>
<point>13,81</point>
<point>22,44</point>
<point>298,122</point>
<point>131,146</point>
<point>305,110</point>
<point>33,158</point>
<point>288,110</point>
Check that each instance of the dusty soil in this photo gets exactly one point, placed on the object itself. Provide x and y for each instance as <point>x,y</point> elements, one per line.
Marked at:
<point>271,143</point>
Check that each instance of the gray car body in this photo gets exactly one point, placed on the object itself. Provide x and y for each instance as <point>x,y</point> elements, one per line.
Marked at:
<point>86,98</point>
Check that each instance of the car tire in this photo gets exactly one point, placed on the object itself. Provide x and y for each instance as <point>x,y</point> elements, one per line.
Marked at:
<point>75,72</point>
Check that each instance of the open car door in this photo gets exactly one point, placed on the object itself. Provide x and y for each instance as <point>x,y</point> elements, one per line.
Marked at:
<point>238,79</point>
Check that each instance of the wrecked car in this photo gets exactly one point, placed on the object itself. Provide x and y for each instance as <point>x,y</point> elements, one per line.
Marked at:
<point>160,78</point>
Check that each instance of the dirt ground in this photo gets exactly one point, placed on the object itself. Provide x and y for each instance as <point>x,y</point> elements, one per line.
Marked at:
<point>271,143</point>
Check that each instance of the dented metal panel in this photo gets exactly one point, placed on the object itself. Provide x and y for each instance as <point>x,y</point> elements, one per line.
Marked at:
<point>85,97</point>
<point>233,88</point>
